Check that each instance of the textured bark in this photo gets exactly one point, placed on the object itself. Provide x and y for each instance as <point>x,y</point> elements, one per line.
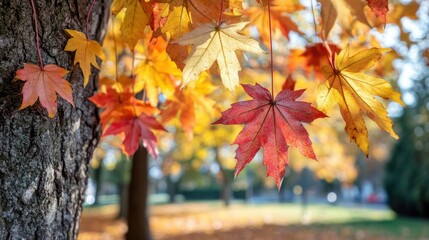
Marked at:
<point>138,213</point>
<point>43,161</point>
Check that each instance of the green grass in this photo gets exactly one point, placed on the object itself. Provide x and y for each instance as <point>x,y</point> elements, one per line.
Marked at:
<point>369,221</point>
<point>201,220</point>
<point>343,222</point>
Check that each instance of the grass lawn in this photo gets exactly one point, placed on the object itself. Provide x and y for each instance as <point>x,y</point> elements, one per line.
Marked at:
<point>210,220</point>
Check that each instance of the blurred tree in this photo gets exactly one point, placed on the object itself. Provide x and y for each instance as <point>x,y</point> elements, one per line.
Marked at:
<point>138,211</point>
<point>407,178</point>
<point>152,65</point>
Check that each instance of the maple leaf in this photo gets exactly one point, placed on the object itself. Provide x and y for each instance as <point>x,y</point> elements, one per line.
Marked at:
<point>206,11</point>
<point>123,113</point>
<point>179,20</point>
<point>216,43</point>
<point>118,104</point>
<point>328,16</point>
<point>341,11</point>
<point>311,59</point>
<point>44,84</point>
<point>160,12</point>
<point>355,93</point>
<point>380,8</point>
<point>274,125</point>
<point>135,128</point>
<point>259,17</point>
<point>187,101</point>
<point>157,72</point>
<point>135,19</point>
<point>289,83</point>
<point>86,52</point>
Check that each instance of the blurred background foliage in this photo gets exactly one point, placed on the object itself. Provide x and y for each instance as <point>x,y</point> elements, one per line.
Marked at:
<point>199,165</point>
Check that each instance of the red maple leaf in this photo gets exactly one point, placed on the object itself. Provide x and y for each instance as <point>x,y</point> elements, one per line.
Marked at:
<point>123,113</point>
<point>118,104</point>
<point>274,125</point>
<point>311,59</point>
<point>380,8</point>
<point>135,128</point>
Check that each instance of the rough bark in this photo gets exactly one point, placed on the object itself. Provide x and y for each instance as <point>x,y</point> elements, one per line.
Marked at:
<point>138,213</point>
<point>43,161</point>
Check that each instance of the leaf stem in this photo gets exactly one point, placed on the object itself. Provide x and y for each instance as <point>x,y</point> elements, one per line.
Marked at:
<point>87,18</point>
<point>37,34</point>
<point>271,49</point>
<point>331,56</point>
<point>115,48</point>
<point>144,93</point>
<point>221,13</point>
<point>314,20</point>
<point>134,82</point>
<point>322,36</point>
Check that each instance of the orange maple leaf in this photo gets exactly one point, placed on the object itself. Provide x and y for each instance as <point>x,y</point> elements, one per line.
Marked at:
<point>187,102</point>
<point>259,17</point>
<point>119,104</point>
<point>44,84</point>
<point>311,59</point>
<point>125,114</point>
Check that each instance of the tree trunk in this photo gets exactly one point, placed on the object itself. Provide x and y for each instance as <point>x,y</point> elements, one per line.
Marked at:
<point>123,186</point>
<point>98,172</point>
<point>123,200</point>
<point>43,161</point>
<point>138,216</point>
<point>226,191</point>
<point>171,189</point>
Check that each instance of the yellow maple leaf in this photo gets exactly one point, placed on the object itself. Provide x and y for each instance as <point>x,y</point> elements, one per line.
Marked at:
<point>86,52</point>
<point>217,43</point>
<point>134,22</point>
<point>156,71</point>
<point>355,93</point>
<point>179,20</point>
